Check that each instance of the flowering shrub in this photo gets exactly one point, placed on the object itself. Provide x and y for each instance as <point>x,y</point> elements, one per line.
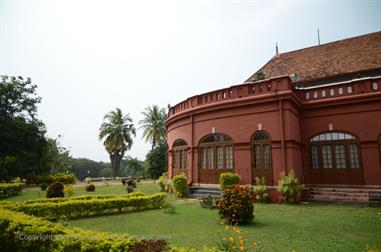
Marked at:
<point>234,240</point>
<point>180,184</point>
<point>228,179</point>
<point>290,187</point>
<point>236,205</point>
<point>261,194</point>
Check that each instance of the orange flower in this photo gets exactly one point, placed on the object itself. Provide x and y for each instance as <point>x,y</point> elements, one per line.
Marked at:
<point>231,238</point>
<point>254,244</point>
<point>226,227</point>
<point>241,248</point>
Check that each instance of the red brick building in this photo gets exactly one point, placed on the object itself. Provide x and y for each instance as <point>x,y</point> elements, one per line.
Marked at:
<point>316,110</point>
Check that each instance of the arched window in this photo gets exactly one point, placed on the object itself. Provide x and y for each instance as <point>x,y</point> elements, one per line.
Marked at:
<point>335,150</point>
<point>179,154</point>
<point>216,152</point>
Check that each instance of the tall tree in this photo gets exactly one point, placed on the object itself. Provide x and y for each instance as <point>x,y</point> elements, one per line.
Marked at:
<point>154,125</point>
<point>22,135</point>
<point>155,161</point>
<point>117,131</point>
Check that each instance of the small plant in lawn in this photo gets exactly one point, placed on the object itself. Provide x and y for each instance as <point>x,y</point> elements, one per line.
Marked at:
<point>69,190</point>
<point>90,187</point>
<point>261,194</point>
<point>228,179</point>
<point>290,187</point>
<point>43,186</point>
<point>163,182</point>
<point>131,185</point>
<point>233,239</point>
<point>180,184</point>
<point>169,205</point>
<point>236,205</point>
<point>207,201</point>
<point>124,181</point>
<point>55,190</point>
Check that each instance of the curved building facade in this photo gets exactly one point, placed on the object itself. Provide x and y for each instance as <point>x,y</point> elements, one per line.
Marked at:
<point>316,111</point>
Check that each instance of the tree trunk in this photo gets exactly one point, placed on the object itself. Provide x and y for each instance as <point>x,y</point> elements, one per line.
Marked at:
<point>112,159</point>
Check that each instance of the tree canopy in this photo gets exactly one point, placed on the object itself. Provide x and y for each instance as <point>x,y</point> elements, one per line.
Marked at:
<point>153,125</point>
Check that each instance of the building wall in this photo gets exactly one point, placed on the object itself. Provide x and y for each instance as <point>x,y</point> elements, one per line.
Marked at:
<point>287,116</point>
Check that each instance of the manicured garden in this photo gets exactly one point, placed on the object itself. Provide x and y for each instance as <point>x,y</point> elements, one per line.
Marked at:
<point>276,227</point>
<point>110,210</point>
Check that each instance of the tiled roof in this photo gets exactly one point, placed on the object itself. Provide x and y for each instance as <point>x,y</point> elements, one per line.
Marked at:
<point>351,55</point>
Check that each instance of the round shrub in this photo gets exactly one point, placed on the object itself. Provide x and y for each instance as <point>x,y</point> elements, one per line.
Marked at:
<point>163,182</point>
<point>236,205</point>
<point>228,179</point>
<point>43,186</point>
<point>90,188</point>
<point>124,182</point>
<point>55,190</point>
<point>131,185</point>
<point>180,184</point>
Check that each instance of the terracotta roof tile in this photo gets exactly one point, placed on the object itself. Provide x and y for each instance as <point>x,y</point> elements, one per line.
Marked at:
<point>350,55</point>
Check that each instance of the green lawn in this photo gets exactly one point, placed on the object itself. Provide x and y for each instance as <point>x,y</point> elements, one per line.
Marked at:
<point>276,227</point>
<point>115,187</point>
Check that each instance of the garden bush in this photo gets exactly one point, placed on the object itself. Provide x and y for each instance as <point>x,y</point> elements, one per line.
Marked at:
<point>290,187</point>
<point>55,190</point>
<point>228,179</point>
<point>69,190</point>
<point>260,189</point>
<point>90,187</point>
<point>180,184</point>
<point>236,205</point>
<point>10,189</point>
<point>131,185</point>
<point>66,178</point>
<point>207,201</point>
<point>74,207</point>
<point>169,206</point>
<point>163,182</point>
<point>21,232</point>
<point>43,186</point>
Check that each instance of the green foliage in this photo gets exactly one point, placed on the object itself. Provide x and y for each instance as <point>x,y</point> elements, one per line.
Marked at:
<point>155,161</point>
<point>163,182</point>
<point>21,232</point>
<point>290,187</point>
<point>180,185</point>
<point>66,178</point>
<point>207,201</point>
<point>43,186</point>
<point>88,180</point>
<point>154,125</point>
<point>228,179</point>
<point>233,240</point>
<point>90,187</point>
<point>236,205</point>
<point>10,189</point>
<point>260,189</point>
<point>131,167</point>
<point>69,190</point>
<point>88,206</point>
<point>83,167</point>
<point>169,206</point>
<point>55,190</point>
<point>117,131</point>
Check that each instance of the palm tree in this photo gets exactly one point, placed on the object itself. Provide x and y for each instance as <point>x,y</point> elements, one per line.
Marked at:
<point>154,124</point>
<point>117,130</point>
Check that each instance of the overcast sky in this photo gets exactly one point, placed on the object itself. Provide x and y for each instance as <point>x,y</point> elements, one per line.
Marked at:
<point>89,57</point>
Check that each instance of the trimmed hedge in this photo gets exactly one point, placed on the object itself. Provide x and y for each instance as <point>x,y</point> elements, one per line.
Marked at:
<point>73,208</point>
<point>180,184</point>
<point>50,178</point>
<point>21,232</point>
<point>10,189</point>
<point>228,179</point>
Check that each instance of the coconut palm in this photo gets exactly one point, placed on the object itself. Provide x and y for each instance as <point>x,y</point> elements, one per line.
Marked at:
<point>154,124</point>
<point>117,131</point>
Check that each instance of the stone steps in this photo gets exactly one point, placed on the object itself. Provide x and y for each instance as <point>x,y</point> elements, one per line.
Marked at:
<point>203,191</point>
<point>340,194</point>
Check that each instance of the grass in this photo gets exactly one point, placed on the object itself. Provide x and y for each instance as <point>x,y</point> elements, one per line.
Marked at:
<point>276,227</point>
<point>114,187</point>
